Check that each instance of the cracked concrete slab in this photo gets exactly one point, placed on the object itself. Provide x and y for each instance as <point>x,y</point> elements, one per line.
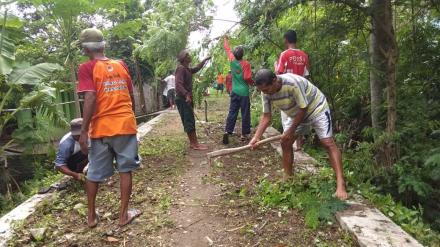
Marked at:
<point>372,228</point>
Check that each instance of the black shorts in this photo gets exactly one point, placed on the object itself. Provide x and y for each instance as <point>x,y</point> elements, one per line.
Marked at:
<point>171,95</point>
<point>186,114</point>
<point>77,162</point>
<point>220,87</point>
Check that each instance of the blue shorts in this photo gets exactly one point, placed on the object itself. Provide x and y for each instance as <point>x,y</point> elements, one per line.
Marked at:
<point>103,151</point>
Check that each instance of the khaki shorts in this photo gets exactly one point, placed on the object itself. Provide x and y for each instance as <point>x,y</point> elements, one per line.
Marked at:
<point>103,151</point>
<point>322,124</point>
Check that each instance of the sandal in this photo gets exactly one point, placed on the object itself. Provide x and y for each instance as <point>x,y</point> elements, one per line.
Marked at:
<point>95,222</point>
<point>132,214</point>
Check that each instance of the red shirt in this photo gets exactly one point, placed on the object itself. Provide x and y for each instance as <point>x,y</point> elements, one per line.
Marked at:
<point>111,81</point>
<point>293,61</point>
<point>229,83</point>
<point>245,65</point>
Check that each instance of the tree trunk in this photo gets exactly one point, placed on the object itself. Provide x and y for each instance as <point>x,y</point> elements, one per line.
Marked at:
<point>140,86</point>
<point>384,59</point>
<point>75,94</point>
<point>376,84</point>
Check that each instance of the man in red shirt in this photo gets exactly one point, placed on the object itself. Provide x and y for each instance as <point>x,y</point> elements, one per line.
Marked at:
<point>229,82</point>
<point>109,122</point>
<point>293,61</point>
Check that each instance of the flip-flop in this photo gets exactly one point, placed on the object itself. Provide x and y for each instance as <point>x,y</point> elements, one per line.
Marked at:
<point>132,214</point>
<point>95,223</point>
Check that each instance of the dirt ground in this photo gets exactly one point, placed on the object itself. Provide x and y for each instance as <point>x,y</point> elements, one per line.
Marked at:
<point>185,202</point>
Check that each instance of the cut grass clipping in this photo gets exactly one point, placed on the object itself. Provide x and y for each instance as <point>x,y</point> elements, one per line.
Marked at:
<point>311,194</point>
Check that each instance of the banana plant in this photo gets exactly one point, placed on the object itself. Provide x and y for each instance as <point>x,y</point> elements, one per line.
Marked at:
<point>41,98</point>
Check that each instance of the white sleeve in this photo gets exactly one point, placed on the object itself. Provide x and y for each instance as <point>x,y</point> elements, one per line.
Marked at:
<point>306,72</point>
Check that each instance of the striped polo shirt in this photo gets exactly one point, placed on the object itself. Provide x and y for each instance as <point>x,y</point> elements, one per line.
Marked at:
<point>296,92</point>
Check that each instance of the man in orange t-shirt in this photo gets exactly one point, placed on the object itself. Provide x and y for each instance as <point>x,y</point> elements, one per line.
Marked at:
<point>109,121</point>
<point>220,84</point>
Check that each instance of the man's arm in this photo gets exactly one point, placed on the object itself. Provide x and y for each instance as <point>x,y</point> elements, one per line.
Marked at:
<point>64,151</point>
<point>65,170</point>
<point>89,110</point>
<point>247,73</point>
<point>281,64</point>
<point>133,103</point>
<point>200,65</point>
<point>228,49</point>
<point>307,67</point>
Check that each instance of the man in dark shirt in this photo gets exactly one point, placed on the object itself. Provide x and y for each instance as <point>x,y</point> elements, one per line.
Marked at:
<point>184,96</point>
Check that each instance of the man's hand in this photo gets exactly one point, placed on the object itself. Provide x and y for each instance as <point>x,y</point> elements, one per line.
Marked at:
<point>84,142</point>
<point>253,143</point>
<point>79,177</point>
<point>188,99</point>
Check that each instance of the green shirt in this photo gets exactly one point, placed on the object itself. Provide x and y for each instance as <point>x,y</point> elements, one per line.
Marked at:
<point>239,85</point>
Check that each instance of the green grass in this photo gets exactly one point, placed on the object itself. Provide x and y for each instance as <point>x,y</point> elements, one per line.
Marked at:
<point>311,194</point>
<point>162,146</point>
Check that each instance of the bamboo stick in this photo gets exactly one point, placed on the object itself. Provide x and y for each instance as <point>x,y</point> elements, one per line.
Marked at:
<point>222,152</point>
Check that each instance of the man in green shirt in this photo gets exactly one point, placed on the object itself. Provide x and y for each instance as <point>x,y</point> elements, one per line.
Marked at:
<point>241,79</point>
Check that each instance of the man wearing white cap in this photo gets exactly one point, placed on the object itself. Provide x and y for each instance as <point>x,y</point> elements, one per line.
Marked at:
<point>109,122</point>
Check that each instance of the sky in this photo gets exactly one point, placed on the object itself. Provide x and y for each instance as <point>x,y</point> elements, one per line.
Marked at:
<point>224,10</point>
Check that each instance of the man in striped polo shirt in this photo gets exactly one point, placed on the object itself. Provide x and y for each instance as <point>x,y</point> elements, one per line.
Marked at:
<point>306,104</point>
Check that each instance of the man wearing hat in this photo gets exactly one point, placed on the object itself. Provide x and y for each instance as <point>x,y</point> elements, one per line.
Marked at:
<point>70,160</point>
<point>109,122</point>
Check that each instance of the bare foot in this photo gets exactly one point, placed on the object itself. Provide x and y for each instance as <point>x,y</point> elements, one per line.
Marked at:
<point>131,215</point>
<point>199,147</point>
<point>92,220</point>
<point>341,193</point>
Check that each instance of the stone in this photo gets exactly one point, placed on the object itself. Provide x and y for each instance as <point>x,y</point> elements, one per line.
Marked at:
<point>107,215</point>
<point>38,233</point>
<point>70,237</point>
<point>112,239</point>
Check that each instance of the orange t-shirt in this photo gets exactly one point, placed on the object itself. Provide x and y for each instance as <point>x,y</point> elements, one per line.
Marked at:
<point>220,79</point>
<point>112,83</point>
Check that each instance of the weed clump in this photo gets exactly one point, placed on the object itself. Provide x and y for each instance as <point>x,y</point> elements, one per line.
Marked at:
<point>311,194</point>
